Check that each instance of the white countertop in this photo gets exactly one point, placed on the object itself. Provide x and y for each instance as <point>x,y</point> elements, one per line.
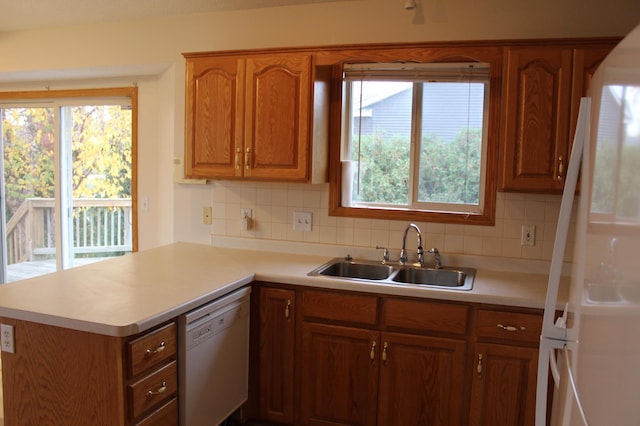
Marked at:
<point>130,294</point>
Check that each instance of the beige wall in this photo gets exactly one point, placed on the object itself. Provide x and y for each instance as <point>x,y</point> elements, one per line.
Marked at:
<point>148,53</point>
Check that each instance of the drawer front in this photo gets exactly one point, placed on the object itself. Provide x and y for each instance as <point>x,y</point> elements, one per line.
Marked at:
<point>151,349</point>
<point>349,308</point>
<point>425,316</point>
<point>510,326</point>
<point>167,415</point>
<point>152,390</point>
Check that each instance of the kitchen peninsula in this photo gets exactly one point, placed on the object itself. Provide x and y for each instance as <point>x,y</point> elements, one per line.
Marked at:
<point>76,331</point>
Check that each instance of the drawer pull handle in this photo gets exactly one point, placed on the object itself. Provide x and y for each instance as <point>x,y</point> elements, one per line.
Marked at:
<point>511,328</point>
<point>372,354</point>
<point>156,350</point>
<point>385,346</point>
<point>286,309</point>
<point>162,388</point>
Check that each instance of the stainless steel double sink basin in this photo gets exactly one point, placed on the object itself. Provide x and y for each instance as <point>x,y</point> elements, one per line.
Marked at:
<point>391,273</point>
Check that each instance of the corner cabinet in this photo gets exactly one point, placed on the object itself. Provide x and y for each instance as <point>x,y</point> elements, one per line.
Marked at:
<point>542,87</point>
<point>259,117</point>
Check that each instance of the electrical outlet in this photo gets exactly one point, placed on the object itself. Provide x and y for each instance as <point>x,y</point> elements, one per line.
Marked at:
<point>528,236</point>
<point>302,221</point>
<point>7,339</point>
<point>206,215</point>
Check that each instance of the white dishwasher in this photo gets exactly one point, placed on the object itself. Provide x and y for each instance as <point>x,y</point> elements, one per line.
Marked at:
<point>214,359</point>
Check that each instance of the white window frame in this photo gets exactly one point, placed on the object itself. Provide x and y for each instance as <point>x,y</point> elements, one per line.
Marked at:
<point>57,100</point>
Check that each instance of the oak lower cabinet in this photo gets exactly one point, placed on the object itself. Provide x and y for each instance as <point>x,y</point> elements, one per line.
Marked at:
<point>503,388</point>
<point>276,354</point>
<point>421,380</point>
<point>354,373</point>
<point>59,376</point>
<point>331,357</point>
<point>340,374</point>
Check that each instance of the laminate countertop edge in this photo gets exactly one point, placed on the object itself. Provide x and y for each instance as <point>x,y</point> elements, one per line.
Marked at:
<point>133,293</point>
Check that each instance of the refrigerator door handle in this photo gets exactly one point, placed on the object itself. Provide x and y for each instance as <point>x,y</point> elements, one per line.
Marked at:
<point>574,388</point>
<point>553,364</point>
<point>547,347</point>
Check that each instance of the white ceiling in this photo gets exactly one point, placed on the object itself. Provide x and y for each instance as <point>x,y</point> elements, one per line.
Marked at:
<point>30,14</point>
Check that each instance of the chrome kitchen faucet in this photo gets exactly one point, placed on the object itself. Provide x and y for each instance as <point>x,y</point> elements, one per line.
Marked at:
<point>403,252</point>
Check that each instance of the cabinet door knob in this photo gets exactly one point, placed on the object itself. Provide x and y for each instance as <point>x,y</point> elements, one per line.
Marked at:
<point>479,366</point>
<point>372,354</point>
<point>385,346</point>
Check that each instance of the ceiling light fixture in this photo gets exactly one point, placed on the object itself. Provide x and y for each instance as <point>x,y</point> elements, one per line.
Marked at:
<point>410,4</point>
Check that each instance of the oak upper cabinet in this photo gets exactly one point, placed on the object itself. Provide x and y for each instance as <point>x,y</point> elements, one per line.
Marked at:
<point>535,128</point>
<point>276,355</point>
<point>256,116</point>
<point>586,61</point>
<point>503,387</point>
<point>214,117</point>
<point>542,87</point>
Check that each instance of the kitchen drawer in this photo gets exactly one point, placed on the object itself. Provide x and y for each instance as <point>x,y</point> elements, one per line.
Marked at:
<point>167,415</point>
<point>425,316</point>
<point>349,308</point>
<point>151,349</point>
<point>152,390</point>
<point>510,326</point>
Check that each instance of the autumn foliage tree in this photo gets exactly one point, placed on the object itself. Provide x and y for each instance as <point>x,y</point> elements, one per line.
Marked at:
<point>100,152</point>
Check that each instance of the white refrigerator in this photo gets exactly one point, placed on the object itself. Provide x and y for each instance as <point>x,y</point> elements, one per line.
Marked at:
<point>593,350</point>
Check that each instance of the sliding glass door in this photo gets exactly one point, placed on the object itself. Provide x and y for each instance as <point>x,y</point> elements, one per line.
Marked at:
<point>67,183</point>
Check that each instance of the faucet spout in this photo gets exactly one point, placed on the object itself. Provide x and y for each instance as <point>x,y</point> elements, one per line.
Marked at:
<point>420,251</point>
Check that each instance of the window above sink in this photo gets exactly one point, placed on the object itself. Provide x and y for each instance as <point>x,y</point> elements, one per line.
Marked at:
<point>418,140</point>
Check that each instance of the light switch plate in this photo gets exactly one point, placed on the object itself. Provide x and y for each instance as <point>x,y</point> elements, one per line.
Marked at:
<point>302,221</point>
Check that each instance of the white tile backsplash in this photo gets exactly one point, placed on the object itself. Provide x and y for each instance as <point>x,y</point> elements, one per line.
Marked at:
<point>273,205</point>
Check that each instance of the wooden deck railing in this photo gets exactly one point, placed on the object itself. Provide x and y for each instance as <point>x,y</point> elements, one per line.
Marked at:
<point>100,226</point>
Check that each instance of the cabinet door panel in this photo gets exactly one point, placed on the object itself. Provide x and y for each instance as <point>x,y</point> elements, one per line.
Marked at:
<point>278,116</point>
<point>276,355</point>
<point>339,376</point>
<point>585,63</point>
<point>421,380</point>
<point>213,145</point>
<point>537,93</point>
<point>503,391</point>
